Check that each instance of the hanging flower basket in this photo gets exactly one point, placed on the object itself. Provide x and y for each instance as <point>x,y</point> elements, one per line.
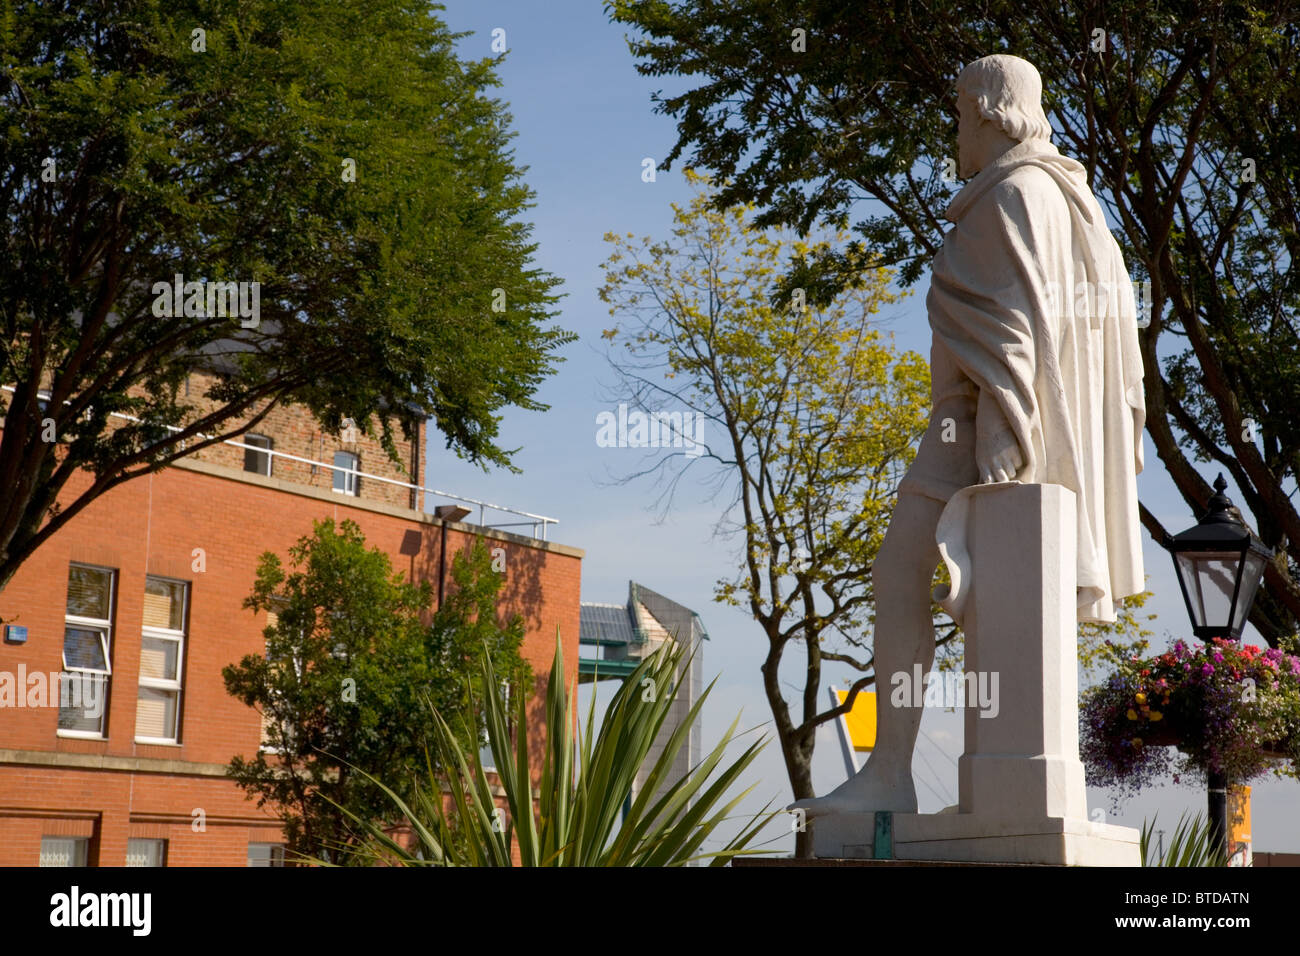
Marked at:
<point>1226,708</point>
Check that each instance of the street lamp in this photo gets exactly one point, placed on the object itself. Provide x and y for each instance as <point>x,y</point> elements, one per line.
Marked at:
<point>1219,564</point>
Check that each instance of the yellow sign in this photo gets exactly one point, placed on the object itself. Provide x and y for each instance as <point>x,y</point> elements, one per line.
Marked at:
<point>861,719</point>
<point>1239,842</point>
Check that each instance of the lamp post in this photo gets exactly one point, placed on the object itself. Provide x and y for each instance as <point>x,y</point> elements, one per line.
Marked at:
<point>1219,564</point>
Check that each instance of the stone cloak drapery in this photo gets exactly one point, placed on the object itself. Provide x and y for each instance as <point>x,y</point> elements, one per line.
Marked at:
<point>1031,296</point>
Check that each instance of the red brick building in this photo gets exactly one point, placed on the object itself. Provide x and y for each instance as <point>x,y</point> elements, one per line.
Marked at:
<point>141,594</point>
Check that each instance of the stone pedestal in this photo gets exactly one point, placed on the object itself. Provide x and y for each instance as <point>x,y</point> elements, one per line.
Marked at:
<point>1021,796</point>
<point>974,838</point>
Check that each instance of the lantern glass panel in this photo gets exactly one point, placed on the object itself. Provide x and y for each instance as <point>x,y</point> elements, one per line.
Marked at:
<point>1210,578</point>
<point>1250,577</point>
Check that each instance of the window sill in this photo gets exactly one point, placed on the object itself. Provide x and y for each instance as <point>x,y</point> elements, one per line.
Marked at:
<point>79,735</point>
<point>158,742</point>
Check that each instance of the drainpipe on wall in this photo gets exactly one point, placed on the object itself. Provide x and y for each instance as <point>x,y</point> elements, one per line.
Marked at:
<point>446,513</point>
<point>417,447</point>
<point>442,565</point>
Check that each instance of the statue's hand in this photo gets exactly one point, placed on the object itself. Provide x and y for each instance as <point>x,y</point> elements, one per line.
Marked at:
<point>998,457</point>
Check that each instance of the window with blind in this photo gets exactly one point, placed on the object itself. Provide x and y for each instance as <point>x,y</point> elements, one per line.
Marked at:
<point>87,651</point>
<point>266,854</point>
<point>146,852</point>
<point>162,652</point>
<point>267,744</point>
<point>64,851</point>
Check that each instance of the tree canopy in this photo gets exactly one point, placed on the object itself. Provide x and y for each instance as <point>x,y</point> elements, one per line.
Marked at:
<point>1184,115</point>
<point>338,155</point>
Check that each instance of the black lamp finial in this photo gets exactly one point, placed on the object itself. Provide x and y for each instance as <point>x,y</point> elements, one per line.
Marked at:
<point>1218,509</point>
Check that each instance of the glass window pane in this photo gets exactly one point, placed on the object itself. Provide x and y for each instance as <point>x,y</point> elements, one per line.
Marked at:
<point>258,462</point>
<point>142,852</point>
<point>340,479</point>
<point>64,851</point>
<point>164,604</point>
<point>158,658</point>
<point>265,743</point>
<point>155,713</point>
<point>83,647</point>
<point>88,591</point>
<point>343,481</point>
<point>1216,578</point>
<point>1250,578</point>
<point>265,854</point>
<point>83,701</point>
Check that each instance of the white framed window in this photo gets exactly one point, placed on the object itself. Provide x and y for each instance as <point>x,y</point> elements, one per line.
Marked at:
<point>64,851</point>
<point>162,661</point>
<point>346,482</point>
<point>258,462</point>
<point>146,852</point>
<point>266,854</point>
<point>87,651</point>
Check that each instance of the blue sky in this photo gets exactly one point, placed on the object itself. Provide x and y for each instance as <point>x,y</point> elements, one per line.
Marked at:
<point>585,122</point>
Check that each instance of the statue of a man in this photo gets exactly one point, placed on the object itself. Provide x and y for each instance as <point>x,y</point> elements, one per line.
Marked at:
<point>1035,377</point>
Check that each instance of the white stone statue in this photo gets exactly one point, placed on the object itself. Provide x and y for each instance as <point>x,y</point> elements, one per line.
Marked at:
<point>1036,378</point>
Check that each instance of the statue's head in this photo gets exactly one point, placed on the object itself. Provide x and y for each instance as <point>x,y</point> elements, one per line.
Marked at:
<point>1000,101</point>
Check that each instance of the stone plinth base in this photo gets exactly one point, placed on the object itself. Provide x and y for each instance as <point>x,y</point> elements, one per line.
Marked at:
<point>968,838</point>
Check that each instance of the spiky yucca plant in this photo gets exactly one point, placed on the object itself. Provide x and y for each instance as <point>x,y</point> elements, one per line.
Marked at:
<point>585,782</point>
<point>1189,846</point>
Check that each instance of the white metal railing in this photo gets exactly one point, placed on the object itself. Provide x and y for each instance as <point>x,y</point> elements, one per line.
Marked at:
<point>539,522</point>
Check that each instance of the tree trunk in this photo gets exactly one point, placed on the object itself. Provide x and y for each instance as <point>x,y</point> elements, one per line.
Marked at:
<point>798,765</point>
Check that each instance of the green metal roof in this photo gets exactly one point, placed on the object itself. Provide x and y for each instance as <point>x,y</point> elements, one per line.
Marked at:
<point>604,670</point>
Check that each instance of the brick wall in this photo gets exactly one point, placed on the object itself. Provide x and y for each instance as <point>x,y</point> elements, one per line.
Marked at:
<point>293,430</point>
<point>206,524</point>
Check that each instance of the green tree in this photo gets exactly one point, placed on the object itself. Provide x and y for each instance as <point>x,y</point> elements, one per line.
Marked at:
<point>348,667</point>
<point>1184,115</point>
<point>336,152</point>
<point>808,415</point>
